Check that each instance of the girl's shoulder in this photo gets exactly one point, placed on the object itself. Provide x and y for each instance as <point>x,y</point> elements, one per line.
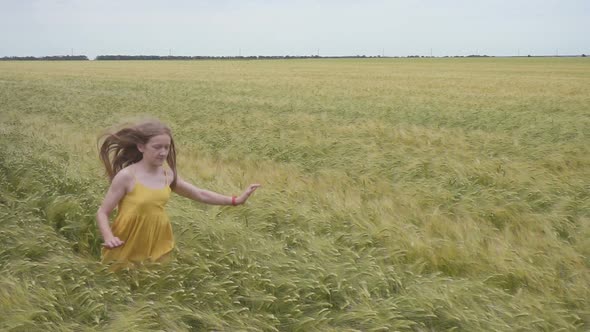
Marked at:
<point>168,171</point>
<point>169,174</point>
<point>128,172</point>
<point>125,178</point>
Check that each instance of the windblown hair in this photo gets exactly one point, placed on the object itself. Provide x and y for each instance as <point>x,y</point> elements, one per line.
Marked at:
<point>118,147</point>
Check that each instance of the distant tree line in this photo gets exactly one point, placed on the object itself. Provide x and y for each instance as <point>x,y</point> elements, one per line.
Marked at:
<point>45,58</point>
<point>253,57</point>
<point>200,57</point>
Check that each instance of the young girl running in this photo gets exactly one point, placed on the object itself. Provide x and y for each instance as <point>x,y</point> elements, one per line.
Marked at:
<point>135,158</point>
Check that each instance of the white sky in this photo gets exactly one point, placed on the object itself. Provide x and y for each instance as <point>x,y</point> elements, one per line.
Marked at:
<point>264,27</point>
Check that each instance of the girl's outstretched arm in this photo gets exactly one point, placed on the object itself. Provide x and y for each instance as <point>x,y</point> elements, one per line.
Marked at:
<point>188,190</point>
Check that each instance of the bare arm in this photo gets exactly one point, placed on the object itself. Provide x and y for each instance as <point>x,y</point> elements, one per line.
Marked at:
<point>188,190</point>
<point>116,191</point>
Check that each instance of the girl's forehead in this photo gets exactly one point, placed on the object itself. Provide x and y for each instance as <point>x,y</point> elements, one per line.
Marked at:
<point>160,139</point>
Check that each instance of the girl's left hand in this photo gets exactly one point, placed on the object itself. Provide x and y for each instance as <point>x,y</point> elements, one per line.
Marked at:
<point>246,194</point>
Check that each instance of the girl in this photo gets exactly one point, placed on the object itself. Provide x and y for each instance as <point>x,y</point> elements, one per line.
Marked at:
<point>134,158</point>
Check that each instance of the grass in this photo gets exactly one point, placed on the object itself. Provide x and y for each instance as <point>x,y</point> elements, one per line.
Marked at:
<point>399,194</point>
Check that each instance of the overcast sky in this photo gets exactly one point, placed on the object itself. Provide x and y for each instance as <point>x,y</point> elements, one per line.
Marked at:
<point>306,27</point>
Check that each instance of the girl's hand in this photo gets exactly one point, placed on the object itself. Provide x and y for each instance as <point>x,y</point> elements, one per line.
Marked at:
<point>246,194</point>
<point>113,243</point>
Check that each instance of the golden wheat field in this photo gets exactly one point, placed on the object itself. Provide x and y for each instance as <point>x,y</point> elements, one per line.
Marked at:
<point>398,195</point>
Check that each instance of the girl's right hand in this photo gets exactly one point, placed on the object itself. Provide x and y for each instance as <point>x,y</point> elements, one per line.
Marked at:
<point>113,242</point>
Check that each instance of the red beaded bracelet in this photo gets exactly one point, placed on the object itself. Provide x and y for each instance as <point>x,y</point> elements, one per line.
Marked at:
<point>233,200</point>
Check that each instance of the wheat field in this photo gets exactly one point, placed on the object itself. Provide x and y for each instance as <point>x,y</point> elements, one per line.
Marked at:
<point>398,195</point>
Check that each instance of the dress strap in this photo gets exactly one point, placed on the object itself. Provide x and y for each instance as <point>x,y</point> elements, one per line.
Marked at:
<point>132,169</point>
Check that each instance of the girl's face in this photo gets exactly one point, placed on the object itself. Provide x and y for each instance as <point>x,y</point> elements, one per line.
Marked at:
<point>155,151</point>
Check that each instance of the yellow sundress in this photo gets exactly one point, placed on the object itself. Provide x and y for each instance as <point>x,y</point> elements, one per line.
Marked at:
<point>143,225</point>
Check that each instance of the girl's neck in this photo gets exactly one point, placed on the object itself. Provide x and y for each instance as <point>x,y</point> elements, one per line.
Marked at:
<point>147,167</point>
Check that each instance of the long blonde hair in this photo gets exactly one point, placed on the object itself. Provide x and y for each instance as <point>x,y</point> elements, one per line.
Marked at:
<point>118,147</point>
